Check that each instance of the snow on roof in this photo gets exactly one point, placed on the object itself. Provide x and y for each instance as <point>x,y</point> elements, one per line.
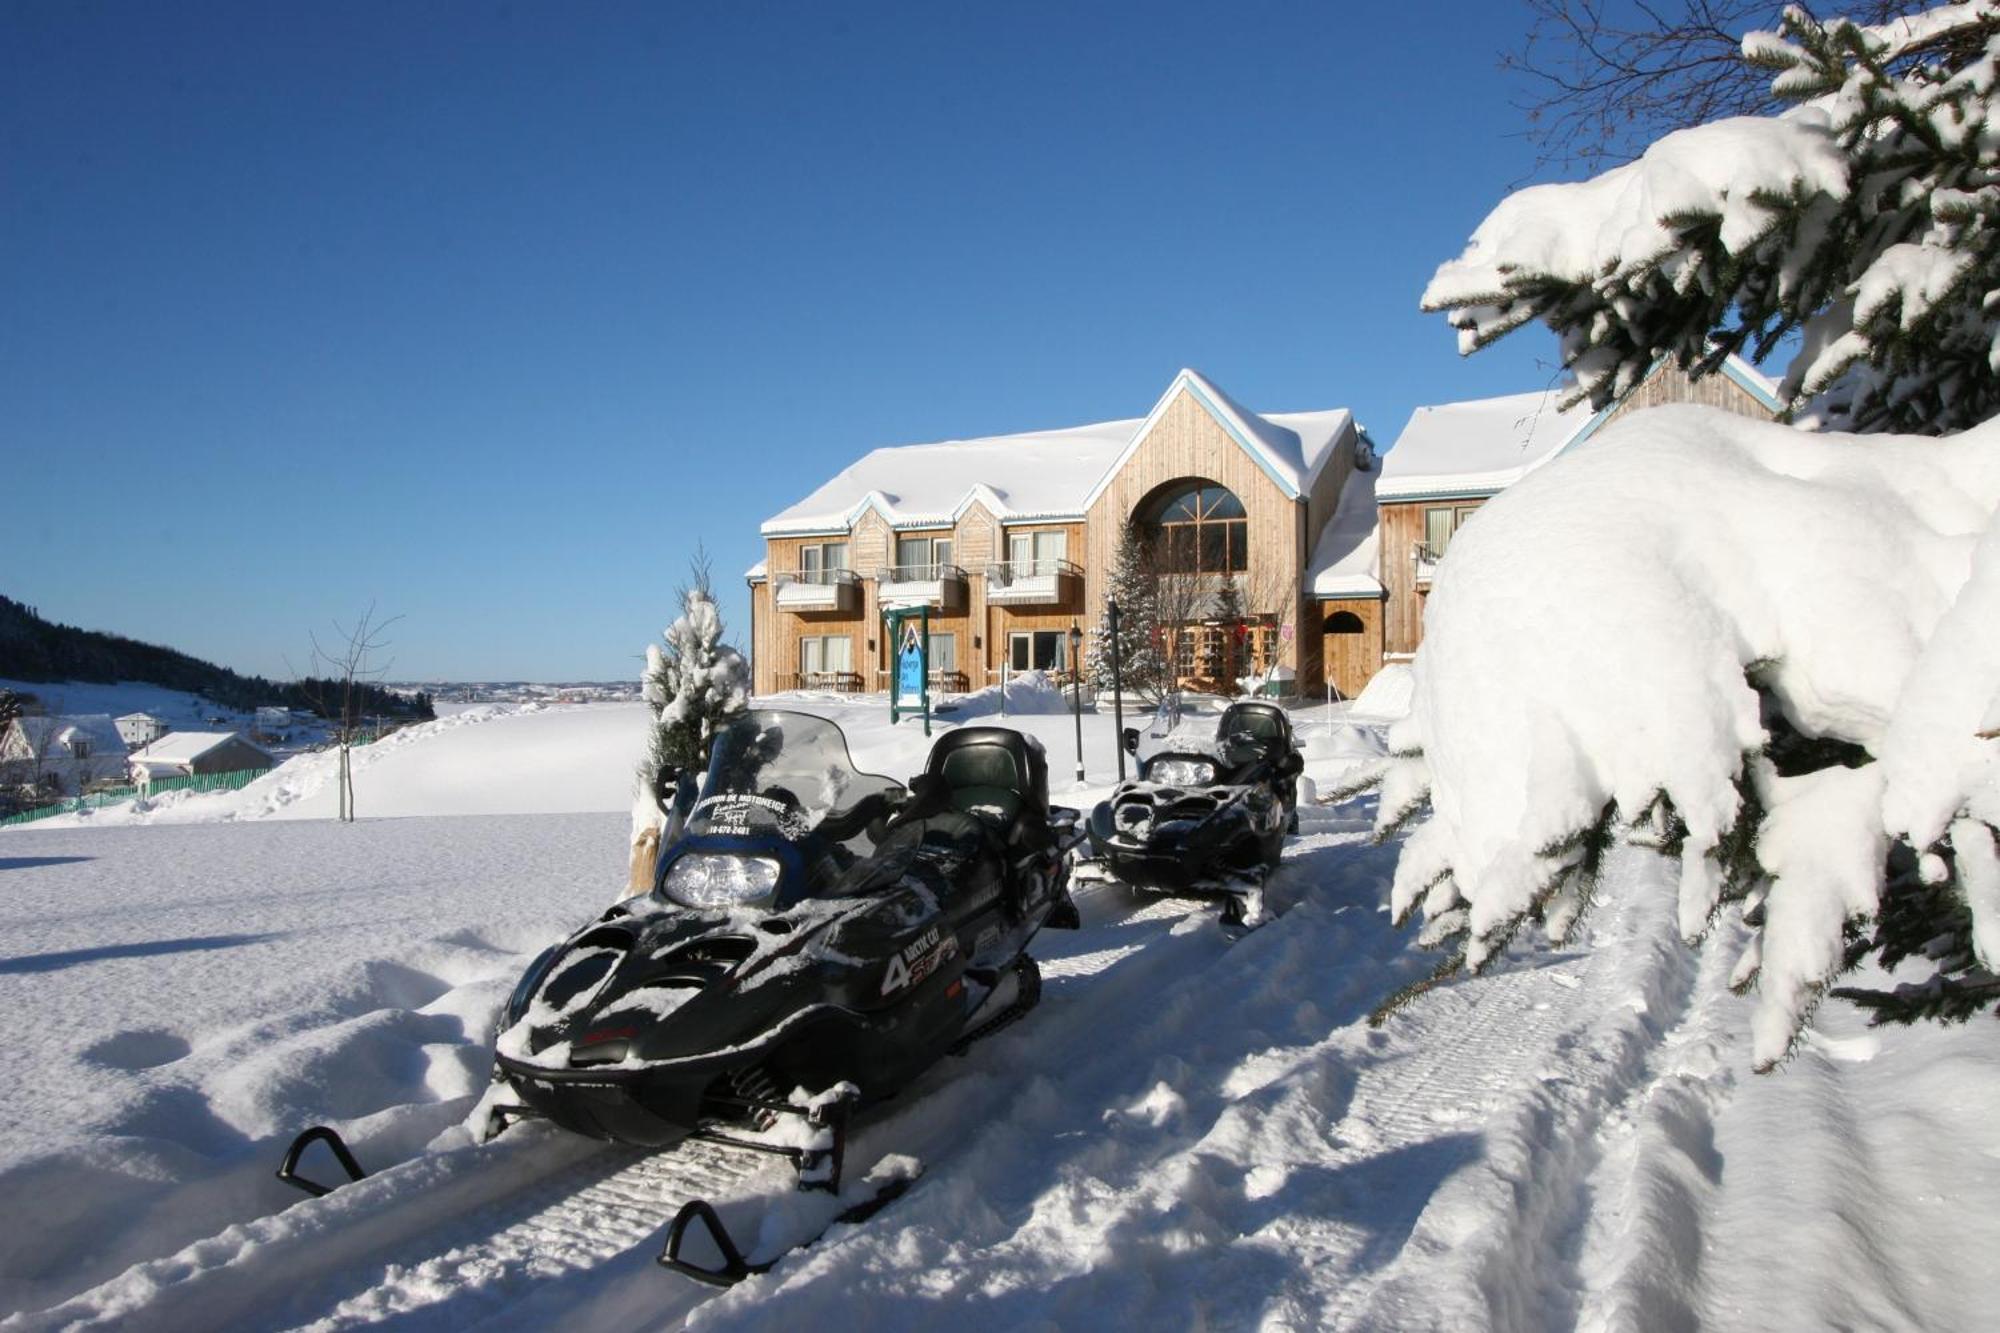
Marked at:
<point>97,728</point>
<point>1048,474</point>
<point>184,747</point>
<point>140,717</point>
<point>757,571</point>
<point>1480,446</point>
<point>1346,561</point>
<point>1040,474</point>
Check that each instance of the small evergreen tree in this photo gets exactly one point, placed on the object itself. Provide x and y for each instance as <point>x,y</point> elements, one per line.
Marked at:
<point>1135,587</point>
<point>693,685</point>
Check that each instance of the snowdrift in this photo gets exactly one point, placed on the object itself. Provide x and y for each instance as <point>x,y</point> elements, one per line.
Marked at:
<point>1599,637</point>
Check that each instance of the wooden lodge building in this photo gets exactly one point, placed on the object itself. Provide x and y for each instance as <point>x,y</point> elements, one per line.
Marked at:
<point>1010,540</point>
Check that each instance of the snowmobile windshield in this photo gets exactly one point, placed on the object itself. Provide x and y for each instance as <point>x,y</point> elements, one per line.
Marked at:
<point>1205,750</point>
<point>789,774</point>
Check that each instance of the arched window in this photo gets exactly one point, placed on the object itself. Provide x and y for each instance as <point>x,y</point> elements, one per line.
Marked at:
<point>1344,622</point>
<point>1203,530</point>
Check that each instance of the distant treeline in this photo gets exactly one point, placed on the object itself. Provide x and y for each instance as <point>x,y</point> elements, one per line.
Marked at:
<point>35,649</point>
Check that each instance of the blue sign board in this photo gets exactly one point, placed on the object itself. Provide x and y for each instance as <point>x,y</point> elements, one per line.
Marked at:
<point>910,673</point>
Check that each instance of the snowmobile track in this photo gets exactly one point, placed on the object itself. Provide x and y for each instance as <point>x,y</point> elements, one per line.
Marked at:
<point>482,1236</point>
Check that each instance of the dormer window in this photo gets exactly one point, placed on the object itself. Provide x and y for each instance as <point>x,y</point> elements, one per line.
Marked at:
<point>919,559</point>
<point>819,563</point>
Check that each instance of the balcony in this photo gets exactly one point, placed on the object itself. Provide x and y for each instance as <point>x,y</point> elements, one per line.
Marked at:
<point>939,586</point>
<point>1425,557</point>
<point>818,590</point>
<point>1031,582</point>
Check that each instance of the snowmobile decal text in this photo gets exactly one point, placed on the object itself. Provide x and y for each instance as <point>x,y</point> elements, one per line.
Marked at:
<point>921,957</point>
<point>731,812</point>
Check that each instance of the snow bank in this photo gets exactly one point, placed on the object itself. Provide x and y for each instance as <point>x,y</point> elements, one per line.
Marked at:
<point>1386,697</point>
<point>1028,694</point>
<point>1591,643</point>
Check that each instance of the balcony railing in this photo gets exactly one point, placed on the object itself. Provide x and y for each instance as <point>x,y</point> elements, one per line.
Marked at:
<point>942,681</point>
<point>818,589</point>
<point>1030,582</point>
<point>1425,556</point>
<point>935,584</point>
<point>843,682</point>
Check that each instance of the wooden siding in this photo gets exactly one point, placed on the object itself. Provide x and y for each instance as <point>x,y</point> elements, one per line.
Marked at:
<point>1670,384</point>
<point>1188,443</point>
<point>1352,655</point>
<point>1402,528</point>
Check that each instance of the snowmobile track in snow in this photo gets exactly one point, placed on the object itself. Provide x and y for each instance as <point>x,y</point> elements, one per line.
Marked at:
<point>486,1235</point>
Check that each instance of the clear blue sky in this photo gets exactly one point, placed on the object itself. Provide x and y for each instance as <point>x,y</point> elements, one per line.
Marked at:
<point>490,314</point>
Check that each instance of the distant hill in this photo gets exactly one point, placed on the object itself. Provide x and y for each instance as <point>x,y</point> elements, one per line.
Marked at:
<point>34,649</point>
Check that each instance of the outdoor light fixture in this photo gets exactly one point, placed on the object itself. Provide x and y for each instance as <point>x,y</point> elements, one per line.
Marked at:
<point>1076,691</point>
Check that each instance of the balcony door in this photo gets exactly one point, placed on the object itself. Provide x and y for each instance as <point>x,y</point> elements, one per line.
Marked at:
<point>918,559</point>
<point>818,563</point>
<point>1031,553</point>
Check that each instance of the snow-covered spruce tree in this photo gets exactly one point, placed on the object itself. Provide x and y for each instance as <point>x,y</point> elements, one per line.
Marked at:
<point>693,686</point>
<point>1135,587</point>
<point>1863,219</point>
<point>1771,655</point>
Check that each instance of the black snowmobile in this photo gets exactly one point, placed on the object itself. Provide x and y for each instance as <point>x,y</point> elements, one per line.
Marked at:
<point>1209,821</point>
<point>812,930</point>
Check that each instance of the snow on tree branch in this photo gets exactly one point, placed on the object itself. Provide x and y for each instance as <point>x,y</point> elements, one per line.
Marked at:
<point>1764,652</point>
<point>1861,220</point>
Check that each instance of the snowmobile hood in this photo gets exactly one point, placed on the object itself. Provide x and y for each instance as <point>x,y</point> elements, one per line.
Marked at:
<point>656,984</point>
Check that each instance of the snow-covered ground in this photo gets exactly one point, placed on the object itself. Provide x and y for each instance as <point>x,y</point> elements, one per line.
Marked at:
<point>1187,1132</point>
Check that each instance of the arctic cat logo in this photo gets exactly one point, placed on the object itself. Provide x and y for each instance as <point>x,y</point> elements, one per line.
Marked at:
<point>919,959</point>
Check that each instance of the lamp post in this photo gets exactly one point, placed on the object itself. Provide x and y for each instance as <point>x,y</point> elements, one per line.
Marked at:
<point>1076,691</point>
<point>1117,688</point>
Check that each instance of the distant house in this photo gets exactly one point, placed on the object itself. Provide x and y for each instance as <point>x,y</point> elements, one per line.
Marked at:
<point>274,723</point>
<point>188,753</point>
<point>61,754</point>
<point>141,729</point>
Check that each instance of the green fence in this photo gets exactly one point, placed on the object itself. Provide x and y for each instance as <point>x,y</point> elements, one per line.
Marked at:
<point>114,795</point>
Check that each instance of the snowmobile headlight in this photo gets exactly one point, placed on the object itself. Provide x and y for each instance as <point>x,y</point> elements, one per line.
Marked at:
<point>701,879</point>
<point>1182,773</point>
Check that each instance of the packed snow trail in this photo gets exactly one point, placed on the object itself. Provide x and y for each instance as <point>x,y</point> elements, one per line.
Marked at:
<point>1186,1132</point>
<point>490,1233</point>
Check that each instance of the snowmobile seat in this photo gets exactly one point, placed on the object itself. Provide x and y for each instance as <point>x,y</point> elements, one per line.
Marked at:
<point>991,774</point>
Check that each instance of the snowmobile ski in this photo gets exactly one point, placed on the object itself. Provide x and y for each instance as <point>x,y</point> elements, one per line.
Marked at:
<point>735,1267</point>
<point>288,1170</point>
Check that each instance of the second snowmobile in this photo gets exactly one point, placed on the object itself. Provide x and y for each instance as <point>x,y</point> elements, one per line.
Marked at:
<point>816,937</point>
<point>1206,821</point>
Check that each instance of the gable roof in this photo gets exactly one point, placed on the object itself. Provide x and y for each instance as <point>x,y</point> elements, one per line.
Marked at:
<point>1483,446</point>
<point>184,747</point>
<point>1477,447</point>
<point>1051,474</point>
<point>51,736</point>
<point>1290,447</point>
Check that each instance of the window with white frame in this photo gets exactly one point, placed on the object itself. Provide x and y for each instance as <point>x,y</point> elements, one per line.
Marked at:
<point>818,562</point>
<point>944,655</point>
<point>921,559</point>
<point>824,655</point>
<point>1038,650</point>
<point>1037,553</point>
